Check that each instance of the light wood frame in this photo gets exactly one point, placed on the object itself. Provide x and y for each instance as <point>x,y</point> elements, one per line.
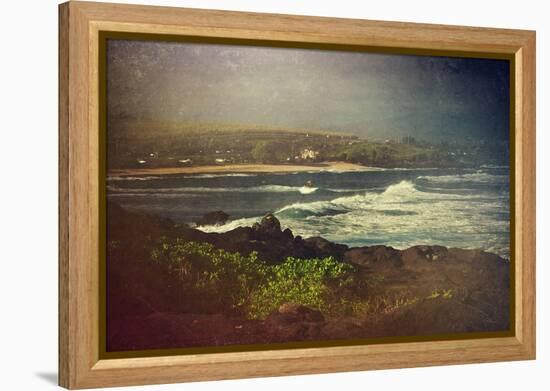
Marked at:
<point>79,27</point>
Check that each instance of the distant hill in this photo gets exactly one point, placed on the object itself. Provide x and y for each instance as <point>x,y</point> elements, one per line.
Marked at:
<point>146,127</point>
<point>169,143</point>
<point>133,144</point>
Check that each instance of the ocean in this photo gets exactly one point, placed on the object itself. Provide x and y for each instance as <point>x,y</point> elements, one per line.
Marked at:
<point>465,208</point>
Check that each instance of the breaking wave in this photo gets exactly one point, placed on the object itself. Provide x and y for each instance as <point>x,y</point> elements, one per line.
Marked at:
<point>477,177</point>
<point>183,190</point>
<point>395,207</point>
<point>401,216</point>
<point>237,174</point>
<point>132,178</point>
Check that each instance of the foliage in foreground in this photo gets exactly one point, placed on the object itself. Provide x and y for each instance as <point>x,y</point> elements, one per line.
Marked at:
<point>251,287</point>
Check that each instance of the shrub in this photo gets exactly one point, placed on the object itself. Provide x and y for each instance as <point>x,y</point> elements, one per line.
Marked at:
<point>299,281</point>
<point>217,276</point>
<point>230,281</point>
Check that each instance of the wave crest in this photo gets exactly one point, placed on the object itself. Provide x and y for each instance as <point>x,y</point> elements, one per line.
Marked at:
<point>182,190</point>
<point>477,177</point>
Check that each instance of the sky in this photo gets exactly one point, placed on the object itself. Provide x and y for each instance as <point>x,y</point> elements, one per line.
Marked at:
<point>371,95</point>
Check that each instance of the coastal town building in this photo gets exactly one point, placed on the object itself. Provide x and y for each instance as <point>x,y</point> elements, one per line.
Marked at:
<point>309,154</point>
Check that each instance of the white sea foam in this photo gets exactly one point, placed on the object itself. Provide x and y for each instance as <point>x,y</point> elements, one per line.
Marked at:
<point>236,174</point>
<point>132,178</point>
<point>477,177</point>
<point>171,176</point>
<point>414,169</point>
<point>245,222</point>
<point>400,216</point>
<point>183,190</point>
<point>467,210</point>
<point>494,166</point>
<point>307,189</point>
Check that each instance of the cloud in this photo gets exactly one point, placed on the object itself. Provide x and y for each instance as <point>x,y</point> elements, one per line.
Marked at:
<point>369,94</point>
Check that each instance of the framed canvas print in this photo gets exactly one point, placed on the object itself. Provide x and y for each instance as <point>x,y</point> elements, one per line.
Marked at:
<point>249,195</point>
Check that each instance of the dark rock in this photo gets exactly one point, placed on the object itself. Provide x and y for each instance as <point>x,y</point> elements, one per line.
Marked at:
<point>288,233</point>
<point>429,290</point>
<point>129,225</point>
<point>295,322</point>
<point>437,316</point>
<point>266,238</point>
<point>374,256</point>
<point>292,313</point>
<point>324,248</point>
<point>424,253</point>
<point>342,328</point>
<point>268,225</point>
<point>217,217</point>
<point>301,312</point>
<point>239,234</point>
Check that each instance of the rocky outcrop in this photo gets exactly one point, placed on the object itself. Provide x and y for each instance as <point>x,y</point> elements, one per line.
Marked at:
<point>422,290</point>
<point>325,248</point>
<point>266,237</point>
<point>292,313</point>
<point>217,217</point>
<point>269,225</point>
<point>376,257</point>
<point>293,322</point>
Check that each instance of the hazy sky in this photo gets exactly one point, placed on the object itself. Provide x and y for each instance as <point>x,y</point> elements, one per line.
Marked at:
<point>371,95</point>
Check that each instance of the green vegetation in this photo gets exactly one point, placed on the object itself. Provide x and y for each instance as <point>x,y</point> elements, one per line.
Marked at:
<point>168,144</point>
<point>300,281</point>
<point>385,154</point>
<point>444,293</point>
<point>250,287</point>
<point>227,278</point>
<point>270,151</point>
<point>165,144</point>
<point>372,306</point>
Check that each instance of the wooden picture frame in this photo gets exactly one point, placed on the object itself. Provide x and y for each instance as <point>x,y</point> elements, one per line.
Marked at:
<point>80,164</point>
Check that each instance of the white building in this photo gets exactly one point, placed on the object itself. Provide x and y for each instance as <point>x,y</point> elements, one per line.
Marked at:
<point>309,154</point>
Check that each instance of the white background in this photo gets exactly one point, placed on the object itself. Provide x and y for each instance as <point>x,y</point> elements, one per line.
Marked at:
<point>28,194</point>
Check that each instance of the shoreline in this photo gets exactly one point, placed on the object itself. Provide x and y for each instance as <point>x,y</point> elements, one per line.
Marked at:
<point>239,168</point>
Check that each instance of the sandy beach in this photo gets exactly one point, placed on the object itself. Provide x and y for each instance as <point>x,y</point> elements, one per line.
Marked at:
<point>239,168</point>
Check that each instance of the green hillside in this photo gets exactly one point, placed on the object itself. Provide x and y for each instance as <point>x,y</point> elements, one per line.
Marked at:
<point>149,144</point>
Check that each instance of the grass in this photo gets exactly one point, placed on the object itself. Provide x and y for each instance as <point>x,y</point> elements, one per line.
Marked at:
<point>249,286</point>
<point>445,294</point>
<point>247,283</point>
